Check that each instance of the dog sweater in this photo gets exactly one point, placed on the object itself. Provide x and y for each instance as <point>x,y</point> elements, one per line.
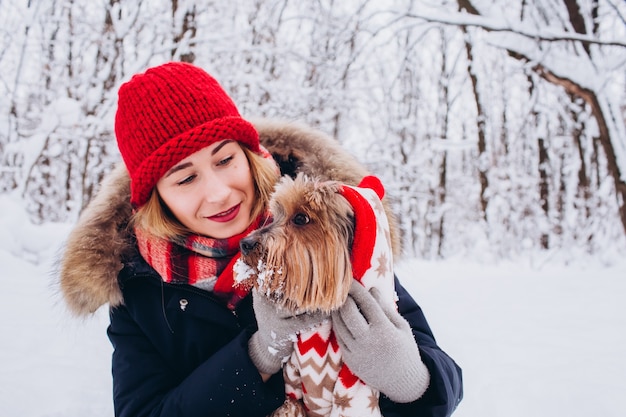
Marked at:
<point>315,373</point>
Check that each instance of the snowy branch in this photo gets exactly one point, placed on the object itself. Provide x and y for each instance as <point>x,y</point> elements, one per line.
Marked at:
<point>491,25</point>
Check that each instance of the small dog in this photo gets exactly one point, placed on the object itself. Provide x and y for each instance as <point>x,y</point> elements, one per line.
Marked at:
<point>324,234</point>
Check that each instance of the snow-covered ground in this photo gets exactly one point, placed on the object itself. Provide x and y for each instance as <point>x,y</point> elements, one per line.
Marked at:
<point>532,341</point>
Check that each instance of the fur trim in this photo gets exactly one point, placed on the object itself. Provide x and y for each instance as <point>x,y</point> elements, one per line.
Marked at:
<point>95,249</point>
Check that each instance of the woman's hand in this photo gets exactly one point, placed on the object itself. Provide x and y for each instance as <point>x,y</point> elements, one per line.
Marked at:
<point>378,345</point>
<point>273,342</point>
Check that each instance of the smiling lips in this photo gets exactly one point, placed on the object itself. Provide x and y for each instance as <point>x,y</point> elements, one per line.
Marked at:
<point>227,215</point>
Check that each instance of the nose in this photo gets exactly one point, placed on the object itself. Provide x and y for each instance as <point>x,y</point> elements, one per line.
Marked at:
<point>248,244</point>
<point>215,190</point>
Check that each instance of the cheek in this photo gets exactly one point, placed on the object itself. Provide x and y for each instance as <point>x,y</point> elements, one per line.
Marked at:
<point>165,192</point>
<point>243,178</point>
<point>180,203</point>
<point>177,204</point>
<point>250,184</point>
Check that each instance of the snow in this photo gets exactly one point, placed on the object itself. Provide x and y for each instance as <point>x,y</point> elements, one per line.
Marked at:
<point>540,341</point>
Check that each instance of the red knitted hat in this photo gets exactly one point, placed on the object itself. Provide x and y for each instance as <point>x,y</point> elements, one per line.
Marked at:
<point>166,114</point>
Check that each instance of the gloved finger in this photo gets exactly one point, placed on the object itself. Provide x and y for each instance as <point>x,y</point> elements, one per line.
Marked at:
<point>259,300</point>
<point>261,306</point>
<point>266,307</point>
<point>390,310</point>
<point>378,296</point>
<point>369,307</point>
<point>357,289</point>
<point>348,323</point>
<point>352,313</point>
<point>307,321</point>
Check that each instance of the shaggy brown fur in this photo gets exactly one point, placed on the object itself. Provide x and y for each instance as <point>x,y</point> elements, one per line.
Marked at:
<point>298,148</point>
<point>95,249</point>
<point>302,259</point>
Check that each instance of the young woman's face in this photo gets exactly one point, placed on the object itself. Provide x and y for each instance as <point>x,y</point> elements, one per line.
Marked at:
<point>211,191</point>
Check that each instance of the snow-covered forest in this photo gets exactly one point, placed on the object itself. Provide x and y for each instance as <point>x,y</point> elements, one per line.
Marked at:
<point>497,126</point>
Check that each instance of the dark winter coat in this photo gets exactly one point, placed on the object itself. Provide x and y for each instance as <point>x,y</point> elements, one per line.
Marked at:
<point>178,351</point>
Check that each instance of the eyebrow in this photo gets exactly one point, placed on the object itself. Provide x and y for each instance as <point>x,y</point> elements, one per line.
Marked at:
<point>182,166</point>
<point>177,168</point>
<point>221,145</point>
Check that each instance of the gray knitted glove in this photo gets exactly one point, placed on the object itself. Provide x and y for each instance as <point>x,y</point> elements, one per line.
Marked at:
<point>378,345</point>
<point>273,342</point>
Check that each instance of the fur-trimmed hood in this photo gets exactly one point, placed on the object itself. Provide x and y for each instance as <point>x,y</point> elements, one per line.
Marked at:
<point>96,248</point>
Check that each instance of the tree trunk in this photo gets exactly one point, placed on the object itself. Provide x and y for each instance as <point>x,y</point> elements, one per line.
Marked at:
<point>544,188</point>
<point>480,126</point>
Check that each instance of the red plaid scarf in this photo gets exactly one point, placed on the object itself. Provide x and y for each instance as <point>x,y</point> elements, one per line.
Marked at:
<point>197,260</point>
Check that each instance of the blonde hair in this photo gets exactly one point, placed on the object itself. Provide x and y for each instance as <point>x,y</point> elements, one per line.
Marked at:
<point>157,219</point>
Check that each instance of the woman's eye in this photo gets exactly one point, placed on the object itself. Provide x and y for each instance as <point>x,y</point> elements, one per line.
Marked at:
<point>300,219</point>
<point>186,180</point>
<point>225,161</point>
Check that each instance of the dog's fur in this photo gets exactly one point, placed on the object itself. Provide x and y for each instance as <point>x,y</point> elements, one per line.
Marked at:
<point>302,258</point>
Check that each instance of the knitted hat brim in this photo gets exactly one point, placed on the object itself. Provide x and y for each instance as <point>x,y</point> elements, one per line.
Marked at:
<point>180,147</point>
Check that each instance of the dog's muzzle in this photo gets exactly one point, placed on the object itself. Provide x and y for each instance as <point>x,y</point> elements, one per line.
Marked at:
<point>248,245</point>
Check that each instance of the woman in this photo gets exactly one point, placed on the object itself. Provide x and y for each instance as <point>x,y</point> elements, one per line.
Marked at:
<point>158,243</point>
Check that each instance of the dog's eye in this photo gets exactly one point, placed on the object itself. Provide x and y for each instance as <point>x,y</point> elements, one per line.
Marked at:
<point>300,219</point>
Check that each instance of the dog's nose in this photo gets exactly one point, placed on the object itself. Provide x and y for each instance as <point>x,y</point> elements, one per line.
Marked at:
<point>247,245</point>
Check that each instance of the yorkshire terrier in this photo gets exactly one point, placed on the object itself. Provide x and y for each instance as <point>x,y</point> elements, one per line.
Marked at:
<point>323,235</point>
